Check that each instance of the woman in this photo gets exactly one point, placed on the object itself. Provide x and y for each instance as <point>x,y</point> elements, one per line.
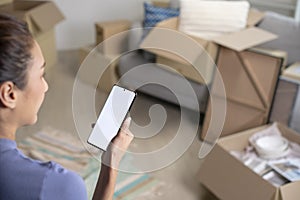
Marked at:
<point>22,91</point>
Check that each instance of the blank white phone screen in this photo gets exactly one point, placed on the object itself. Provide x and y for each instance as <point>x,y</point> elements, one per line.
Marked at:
<point>111,117</point>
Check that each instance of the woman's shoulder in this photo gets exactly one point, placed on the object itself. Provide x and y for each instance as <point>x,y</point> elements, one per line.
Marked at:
<point>61,183</point>
<point>47,180</point>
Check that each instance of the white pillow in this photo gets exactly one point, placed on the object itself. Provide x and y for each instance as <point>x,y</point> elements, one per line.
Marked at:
<point>209,19</point>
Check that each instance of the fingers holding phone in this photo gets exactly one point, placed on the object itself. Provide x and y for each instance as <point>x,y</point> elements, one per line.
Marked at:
<point>111,132</point>
<point>119,145</point>
<point>124,137</point>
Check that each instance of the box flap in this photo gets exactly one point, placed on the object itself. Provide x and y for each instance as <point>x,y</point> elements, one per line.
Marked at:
<point>228,178</point>
<point>113,24</point>
<point>289,133</point>
<point>46,15</point>
<point>228,142</point>
<point>245,39</point>
<point>292,72</point>
<point>166,43</point>
<point>170,23</point>
<point>186,70</point>
<point>254,17</point>
<point>290,191</point>
<point>8,8</point>
<point>25,5</point>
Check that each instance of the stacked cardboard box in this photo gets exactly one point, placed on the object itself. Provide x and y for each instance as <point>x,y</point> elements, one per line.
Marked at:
<point>92,63</point>
<point>41,17</point>
<point>104,54</point>
<point>238,41</point>
<point>105,31</point>
<point>249,75</point>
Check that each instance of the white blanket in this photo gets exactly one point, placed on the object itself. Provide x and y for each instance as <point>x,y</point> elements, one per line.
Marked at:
<point>209,19</point>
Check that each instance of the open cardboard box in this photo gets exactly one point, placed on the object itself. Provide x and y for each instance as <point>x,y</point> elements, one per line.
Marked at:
<point>238,41</point>
<point>250,78</point>
<point>41,17</point>
<point>179,45</point>
<point>228,178</point>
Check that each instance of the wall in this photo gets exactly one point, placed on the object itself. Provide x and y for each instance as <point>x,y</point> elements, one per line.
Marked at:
<point>78,30</point>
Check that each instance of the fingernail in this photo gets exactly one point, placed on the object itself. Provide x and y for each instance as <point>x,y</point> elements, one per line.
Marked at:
<point>128,120</point>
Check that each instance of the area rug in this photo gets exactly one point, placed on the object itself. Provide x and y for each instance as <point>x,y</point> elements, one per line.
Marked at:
<point>67,150</point>
<point>131,186</point>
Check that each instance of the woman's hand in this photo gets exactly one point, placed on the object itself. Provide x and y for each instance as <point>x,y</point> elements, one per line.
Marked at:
<point>118,147</point>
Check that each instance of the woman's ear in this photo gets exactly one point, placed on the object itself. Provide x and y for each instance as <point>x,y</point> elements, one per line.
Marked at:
<point>8,94</point>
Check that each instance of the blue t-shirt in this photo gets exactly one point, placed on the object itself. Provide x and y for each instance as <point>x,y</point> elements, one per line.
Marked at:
<point>28,179</point>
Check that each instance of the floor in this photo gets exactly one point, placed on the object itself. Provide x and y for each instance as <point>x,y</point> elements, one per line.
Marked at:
<point>180,177</point>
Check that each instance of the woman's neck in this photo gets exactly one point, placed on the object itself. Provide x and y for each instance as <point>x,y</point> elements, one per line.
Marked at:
<point>7,132</point>
<point>8,124</point>
<point>10,136</point>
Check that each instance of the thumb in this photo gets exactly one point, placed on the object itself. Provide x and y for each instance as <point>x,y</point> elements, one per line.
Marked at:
<point>126,123</point>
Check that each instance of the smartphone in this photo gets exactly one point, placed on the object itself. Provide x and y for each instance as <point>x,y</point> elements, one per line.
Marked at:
<point>111,117</point>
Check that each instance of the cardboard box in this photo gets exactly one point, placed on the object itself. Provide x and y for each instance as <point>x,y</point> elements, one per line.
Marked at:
<point>160,3</point>
<point>188,70</point>
<point>48,46</point>
<point>284,101</point>
<point>228,178</point>
<point>92,61</point>
<point>112,45</point>
<point>250,78</point>
<point>237,41</point>
<point>41,17</point>
<point>181,59</point>
<point>293,72</point>
<point>3,2</point>
<point>287,100</point>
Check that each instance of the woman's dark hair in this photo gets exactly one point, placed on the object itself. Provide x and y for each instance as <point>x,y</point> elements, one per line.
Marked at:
<point>16,43</point>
